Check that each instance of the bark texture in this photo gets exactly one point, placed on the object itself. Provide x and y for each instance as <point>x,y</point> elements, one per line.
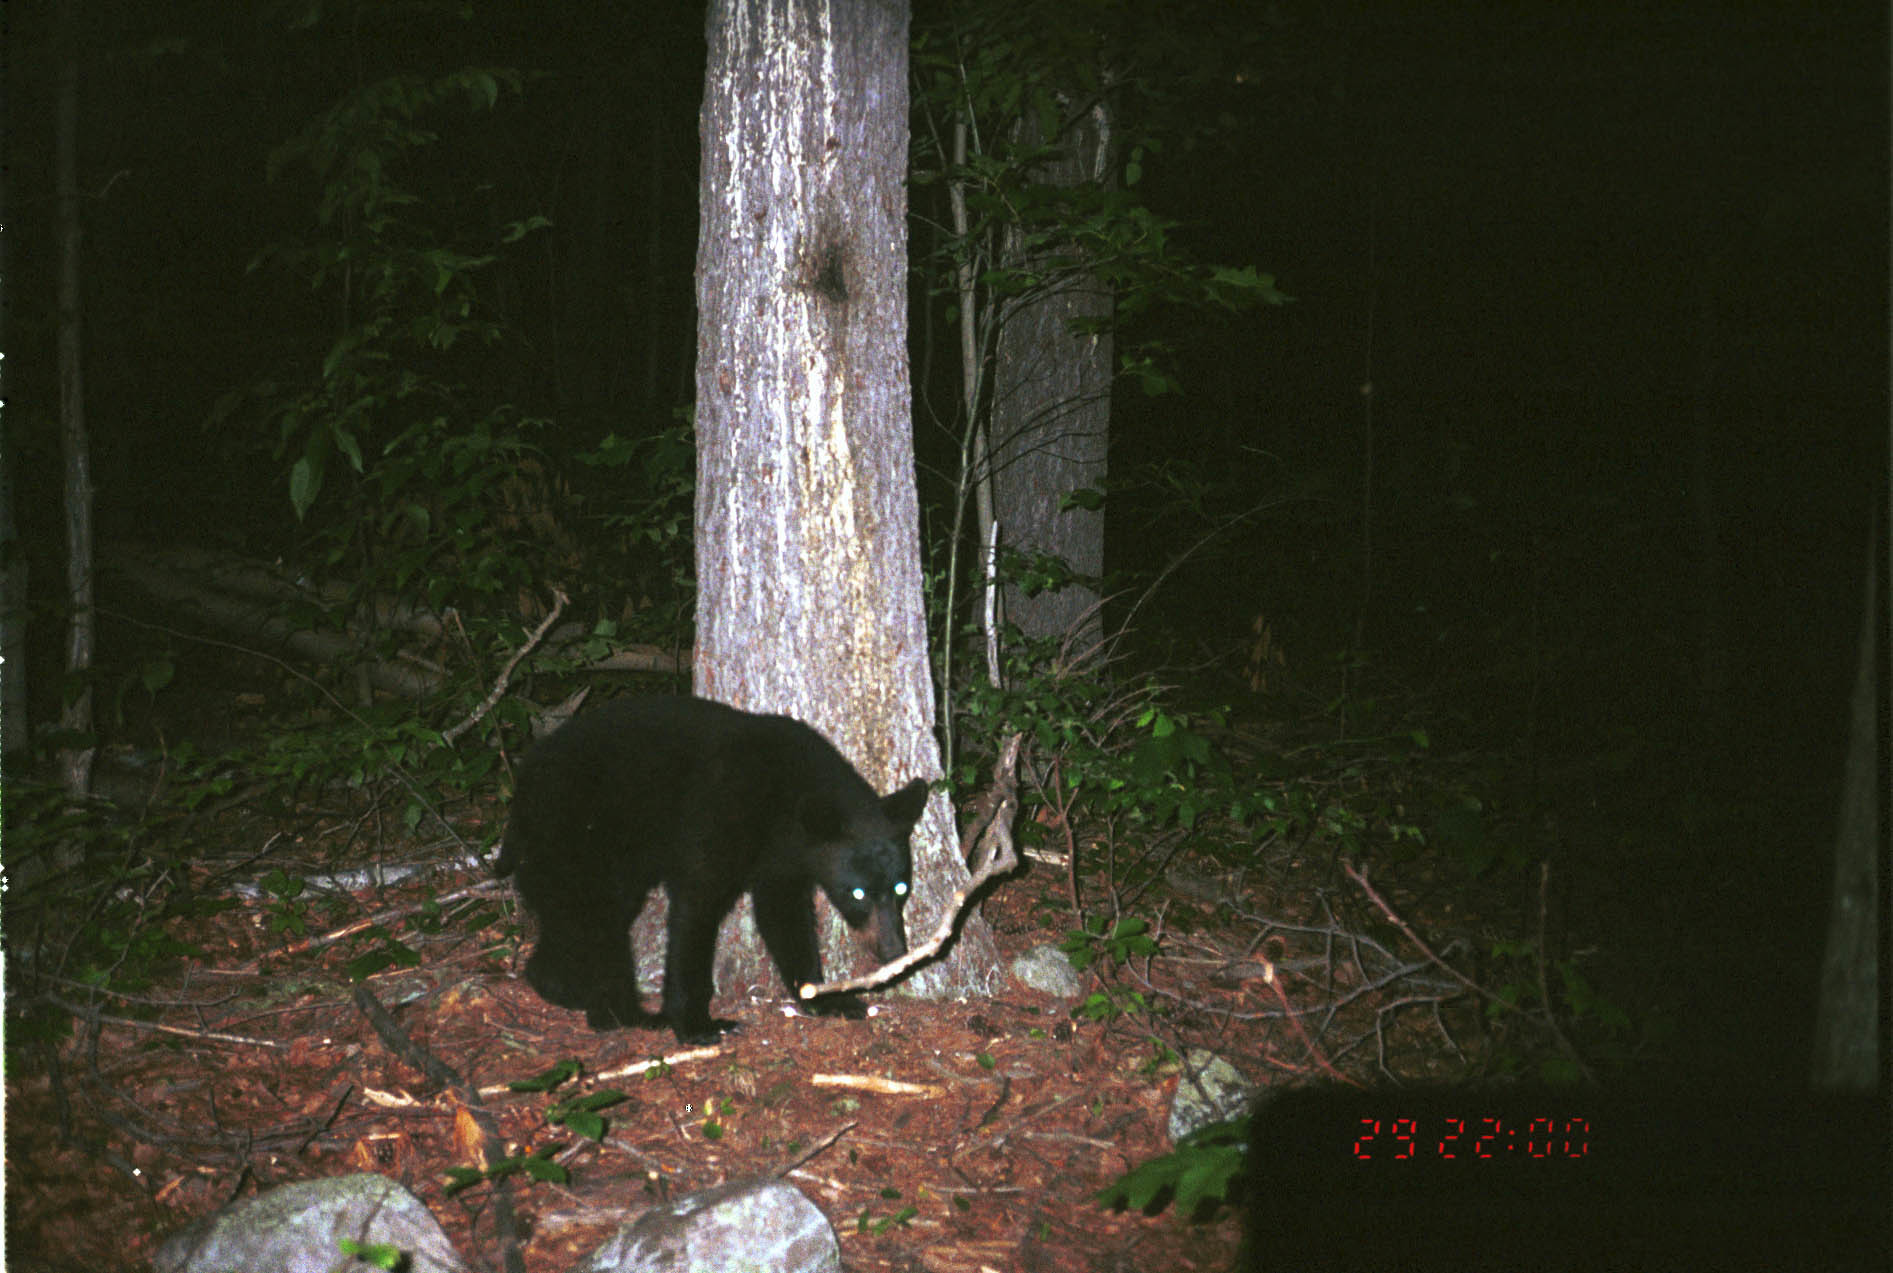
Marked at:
<point>808,556</point>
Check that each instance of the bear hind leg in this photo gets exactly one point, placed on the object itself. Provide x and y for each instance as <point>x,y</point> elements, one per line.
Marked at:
<point>580,964</point>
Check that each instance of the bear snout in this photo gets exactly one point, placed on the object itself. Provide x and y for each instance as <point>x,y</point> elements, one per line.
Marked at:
<point>884,935</point>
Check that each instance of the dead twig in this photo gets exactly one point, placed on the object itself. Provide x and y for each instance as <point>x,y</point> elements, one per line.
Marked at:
<point>319,940</point>
<point>208,1036</point>
<point>492,1149</point>
<point>559,601</point>
<point>812,1152</point>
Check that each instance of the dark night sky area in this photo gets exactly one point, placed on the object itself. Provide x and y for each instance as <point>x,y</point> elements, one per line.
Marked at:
<point>1609,251</point>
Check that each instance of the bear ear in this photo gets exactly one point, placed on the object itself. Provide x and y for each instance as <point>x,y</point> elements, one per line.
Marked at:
<point>905,806</point>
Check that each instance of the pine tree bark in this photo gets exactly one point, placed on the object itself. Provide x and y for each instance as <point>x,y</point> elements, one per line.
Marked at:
<point>808,555</point>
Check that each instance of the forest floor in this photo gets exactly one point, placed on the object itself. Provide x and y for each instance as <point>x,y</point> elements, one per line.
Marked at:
<point>951,1137</point>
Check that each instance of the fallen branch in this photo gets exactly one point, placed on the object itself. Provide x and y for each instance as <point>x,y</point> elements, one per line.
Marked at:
<point>318,940</point>
<point>817,1148</point>
<point>623,1071</point>
<point>493,1148</point>
<point>559,600</point>
<point>869,1083</point>
<point>208,1036</point>
<point>993,849</point>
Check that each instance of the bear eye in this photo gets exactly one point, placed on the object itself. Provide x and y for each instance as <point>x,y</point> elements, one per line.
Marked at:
<point>900,890</point>
<point>860,895</point>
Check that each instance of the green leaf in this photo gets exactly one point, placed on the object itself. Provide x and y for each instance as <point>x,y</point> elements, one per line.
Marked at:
<point>1084,497</point>
<point>379,1254</point>
<point>459,1178</point>
<point>305,483</point>
<point>363,967</point>
<point>548,1079</point>
<point>588,1125</point>
<point>483,89</point>
<point>545,1169</point>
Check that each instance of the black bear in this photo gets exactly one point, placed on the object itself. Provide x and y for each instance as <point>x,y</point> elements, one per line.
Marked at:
<point>709,802</point>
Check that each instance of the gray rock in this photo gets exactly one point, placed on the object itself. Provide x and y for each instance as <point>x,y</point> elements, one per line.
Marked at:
<point>1046,968</point>
<point>757,1226</point>
<point>298,1228</point>
<point>1210,1090</point>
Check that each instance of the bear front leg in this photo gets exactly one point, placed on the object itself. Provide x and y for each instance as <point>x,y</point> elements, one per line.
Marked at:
<point>786,920</point>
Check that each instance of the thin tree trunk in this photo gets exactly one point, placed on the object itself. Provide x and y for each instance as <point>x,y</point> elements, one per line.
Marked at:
<point>75,763</point>
<point>808,555</point>
<point>15,727</point>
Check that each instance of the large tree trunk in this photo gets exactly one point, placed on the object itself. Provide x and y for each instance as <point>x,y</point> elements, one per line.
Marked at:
<point>1051,412</point>
<point>808,555</point>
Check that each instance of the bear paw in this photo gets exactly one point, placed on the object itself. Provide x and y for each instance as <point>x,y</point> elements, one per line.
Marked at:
<point>705,1032</point>
<point>841,1005</point>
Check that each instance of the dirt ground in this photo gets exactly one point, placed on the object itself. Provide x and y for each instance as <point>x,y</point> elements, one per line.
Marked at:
<point>936,1136</point>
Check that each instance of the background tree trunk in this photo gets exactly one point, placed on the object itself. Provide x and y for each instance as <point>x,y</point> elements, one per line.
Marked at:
<point>1051,412</point>
<point>808,555</point>
<point>15,725</point>
<point>75,763</point>
<point>1847,1024</point>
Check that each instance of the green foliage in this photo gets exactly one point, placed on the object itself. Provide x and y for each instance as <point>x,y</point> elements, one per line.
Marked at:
<point>1119,754</point>
<point>395,472</point>
<point>547,1080</point>
<point>1604,1025</point>
<point>1127,939</point>
<point>714,1114</point>
<point>1196,1174</point>
<point>653,527</point>
<point>387,952</point>
<point>1015,80</point>
<point>286,910</point>
<point>1113,945</point>
<point>358,748</point>
<point>577,1113</point>
<point>89,904</point>
<point>538,1165</point>
<point>580,1113</point>
<point>867,1222</point>
<point>1005,96</point>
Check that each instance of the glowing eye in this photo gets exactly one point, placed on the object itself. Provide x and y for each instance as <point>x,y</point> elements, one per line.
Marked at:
<point>861,895</point>
<point>900,890</point>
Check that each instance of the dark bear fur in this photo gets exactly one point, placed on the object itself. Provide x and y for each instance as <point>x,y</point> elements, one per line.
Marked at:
<point>710,803</point>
